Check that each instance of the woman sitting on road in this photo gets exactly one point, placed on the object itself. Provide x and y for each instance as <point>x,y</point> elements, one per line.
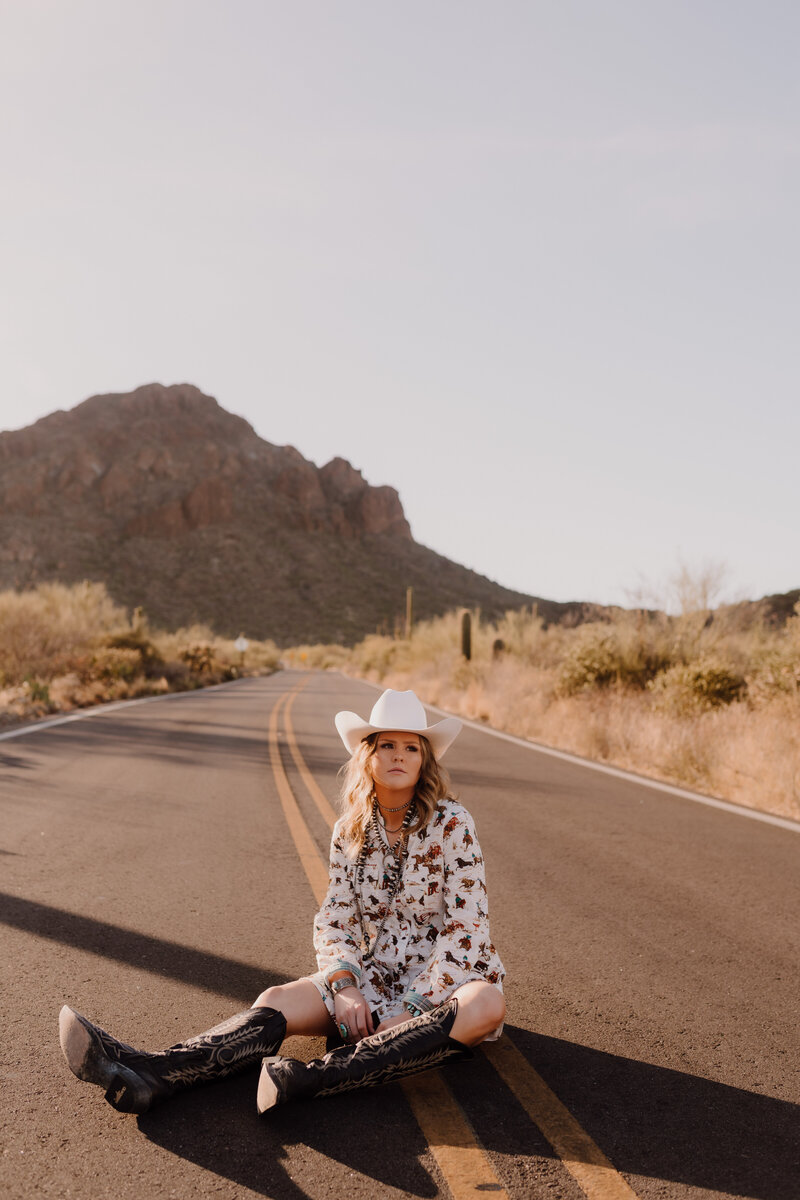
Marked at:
<point>408,976</point>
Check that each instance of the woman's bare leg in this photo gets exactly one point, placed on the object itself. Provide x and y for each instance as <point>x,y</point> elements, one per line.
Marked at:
<point>481,1008</point>
<point>301,1005</point>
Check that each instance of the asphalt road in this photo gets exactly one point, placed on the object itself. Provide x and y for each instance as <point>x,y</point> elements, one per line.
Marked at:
<point>149,879</point>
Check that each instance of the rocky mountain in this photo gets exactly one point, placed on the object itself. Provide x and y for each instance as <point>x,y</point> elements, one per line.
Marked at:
<point>180,507</point>
<point>774,610</point>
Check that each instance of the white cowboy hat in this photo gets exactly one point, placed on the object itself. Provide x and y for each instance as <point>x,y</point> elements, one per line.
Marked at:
<point>400,711</point>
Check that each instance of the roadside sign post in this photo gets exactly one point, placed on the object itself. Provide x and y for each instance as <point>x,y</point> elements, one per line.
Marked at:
<point>241,645</point>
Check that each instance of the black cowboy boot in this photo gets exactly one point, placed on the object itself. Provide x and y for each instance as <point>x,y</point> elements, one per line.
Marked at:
<point>136,1079</point>
<point>416,1045</point>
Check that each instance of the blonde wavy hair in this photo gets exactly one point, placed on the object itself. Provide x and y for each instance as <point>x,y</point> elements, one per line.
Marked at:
<point>357,792</point>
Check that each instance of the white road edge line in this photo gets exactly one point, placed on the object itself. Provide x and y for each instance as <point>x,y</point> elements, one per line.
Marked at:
<point>617,772</point>
<point>99,710</point>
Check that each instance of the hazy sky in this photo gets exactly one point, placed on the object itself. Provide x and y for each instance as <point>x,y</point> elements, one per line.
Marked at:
<point>533,264</point>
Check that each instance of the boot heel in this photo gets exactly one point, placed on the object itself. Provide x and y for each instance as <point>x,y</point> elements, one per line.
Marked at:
<point>128,1093</point>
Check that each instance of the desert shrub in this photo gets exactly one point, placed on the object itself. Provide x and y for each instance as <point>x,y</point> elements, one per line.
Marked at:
<point>177,675</point>
<point>440,638</point>
<point>66,647</point>
<point>590,661</point>
<point>49,622</point>
<point>261,656</point>
<point>225,659</point>
<point>688,688</point>
<point>523,635</point>
<point>628,651</point>
<point>772,667</point>
<point>38,691</point>
<point>436,641</point>
<point>111,663</point>
<point>775,673</point>
<point>108,665</point>
<point>198,658</point>
<point>171,645</point>
<point>133,641</point>
<point>377,655</point>
<point>323,657</point>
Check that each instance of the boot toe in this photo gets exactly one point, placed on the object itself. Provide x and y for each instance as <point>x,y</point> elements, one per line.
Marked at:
<point>268,1092</point>
<point>125,1090</point>
<point>81,1048</point>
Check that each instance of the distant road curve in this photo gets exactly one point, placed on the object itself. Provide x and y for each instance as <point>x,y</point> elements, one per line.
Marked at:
<point>617,772</point>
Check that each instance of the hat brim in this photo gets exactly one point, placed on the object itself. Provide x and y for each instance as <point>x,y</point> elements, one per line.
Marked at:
<point>353,729</point>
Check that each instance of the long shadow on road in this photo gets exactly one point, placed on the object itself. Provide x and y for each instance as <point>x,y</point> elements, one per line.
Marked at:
<point>372,1133</point>
<point>670,1125</point>
<point>164,740</point>
<point>167,735</point>
<point>652,1122</point>
<point>217,1127</point>
<point>214,972</point>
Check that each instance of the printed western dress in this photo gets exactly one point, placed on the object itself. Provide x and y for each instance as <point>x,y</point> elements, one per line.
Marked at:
<point>436,932</point>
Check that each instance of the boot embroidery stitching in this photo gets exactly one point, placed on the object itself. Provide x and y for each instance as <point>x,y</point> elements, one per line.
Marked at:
<point>386,1073</point>
<point>415,1046</point>
<point>139,1078</point>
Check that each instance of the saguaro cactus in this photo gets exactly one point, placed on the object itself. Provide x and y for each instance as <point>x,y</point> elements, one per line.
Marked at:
<point>466,635</point>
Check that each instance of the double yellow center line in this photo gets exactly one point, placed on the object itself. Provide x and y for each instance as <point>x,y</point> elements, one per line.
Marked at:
<point>453,1143</point>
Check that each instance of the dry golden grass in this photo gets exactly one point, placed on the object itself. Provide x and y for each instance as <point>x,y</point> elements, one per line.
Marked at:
<point>69,647</point>
<point>712,705</point>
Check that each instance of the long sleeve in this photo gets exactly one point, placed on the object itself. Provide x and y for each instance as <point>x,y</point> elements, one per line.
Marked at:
<point>337,925</point>
<point>463,949</point>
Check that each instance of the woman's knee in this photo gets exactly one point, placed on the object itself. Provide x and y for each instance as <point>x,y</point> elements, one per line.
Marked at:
<point>481,1008</point>
<point>301,1004</point>
<point>490,1006</point>
<point>271,998</point>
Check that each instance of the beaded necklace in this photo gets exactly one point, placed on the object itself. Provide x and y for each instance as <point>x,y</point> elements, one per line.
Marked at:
<point>399,808</point>
<point>392,873</point>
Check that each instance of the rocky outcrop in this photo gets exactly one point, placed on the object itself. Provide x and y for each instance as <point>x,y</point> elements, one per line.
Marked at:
<point>179,506</point>
<point>163,461</point>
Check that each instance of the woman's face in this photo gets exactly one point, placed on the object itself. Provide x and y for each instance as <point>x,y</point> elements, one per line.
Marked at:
<point>396,761</point>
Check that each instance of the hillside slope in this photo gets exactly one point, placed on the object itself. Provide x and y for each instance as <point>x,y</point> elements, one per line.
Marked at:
<point>179,506</point>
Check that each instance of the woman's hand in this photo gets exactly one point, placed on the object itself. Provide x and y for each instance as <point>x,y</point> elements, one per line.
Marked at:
<point>352,1011</point>
<point>390,1021</point>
